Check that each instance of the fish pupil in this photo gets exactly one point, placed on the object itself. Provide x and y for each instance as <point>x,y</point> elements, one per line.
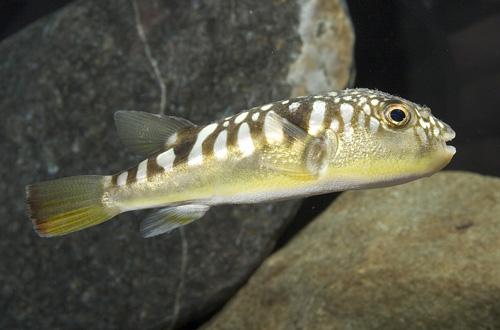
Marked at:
<point>398,115</point>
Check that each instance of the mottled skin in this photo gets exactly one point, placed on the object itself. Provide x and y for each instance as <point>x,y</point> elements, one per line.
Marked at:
<point>350,139</point>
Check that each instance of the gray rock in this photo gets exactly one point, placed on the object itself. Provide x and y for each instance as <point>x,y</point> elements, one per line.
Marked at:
<point>61,80</point>
<point>424,255</point>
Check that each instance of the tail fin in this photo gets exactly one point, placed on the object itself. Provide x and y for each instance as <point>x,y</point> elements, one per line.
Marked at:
<point>66,205</point>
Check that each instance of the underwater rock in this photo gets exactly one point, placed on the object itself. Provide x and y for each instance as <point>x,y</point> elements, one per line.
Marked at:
<point>61,80</point>
<point>326,56</point>
<point>423,255</point>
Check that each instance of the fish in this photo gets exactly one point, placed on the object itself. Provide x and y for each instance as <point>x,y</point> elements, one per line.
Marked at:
<point>309,145</point>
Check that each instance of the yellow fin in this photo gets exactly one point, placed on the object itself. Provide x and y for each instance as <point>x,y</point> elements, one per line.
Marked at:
<point>167,219</point>
<point>67,205</point>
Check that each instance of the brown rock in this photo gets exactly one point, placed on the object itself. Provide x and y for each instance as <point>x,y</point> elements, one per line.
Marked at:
<point>424,255</point>
<point>61,80</point>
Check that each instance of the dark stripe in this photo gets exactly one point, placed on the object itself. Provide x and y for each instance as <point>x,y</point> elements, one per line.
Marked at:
<point>207,146</point>
<point>114,179</point>
<point>153,168</point>
<point>232,136</point>
<point>300,117</point>
<point>257,127</point>
<point>187,140</point>
<point>132,173</point>
<point>329,114</point>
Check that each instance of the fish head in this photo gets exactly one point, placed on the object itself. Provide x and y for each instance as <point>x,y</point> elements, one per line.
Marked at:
<point>390,140</point>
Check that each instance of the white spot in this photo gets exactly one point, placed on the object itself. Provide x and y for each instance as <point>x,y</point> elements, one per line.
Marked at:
<point>440,124</point>
<point>196,155</point>
<point>435,131</point>
<point>266,107</point>
<point>317,117</point>
<point>225,124</point>
<point>285,102</point>
<point>166,159</point>
<point>361,119</point>
<point>294,106</point>
<point>346,111</point>
<point>362,99</point>
<point>424,124</point>
<point>171,140</point>
<point>245,141</point>
<point>241,117</point>
<point>273,128</point>
<point>374,125</point>
<point>335,125</point>
<point>347,98</point>
<point>255,116</point>
<point>336,100</point>
<point>332,93</point>
<point>431,119</point>
<point>122,178</point>
<point>375,102</point>
<point>205,132</point>
<point>421,134</point>
<point>142,170</point>
<point>367,109</point>
<point>220,145</point>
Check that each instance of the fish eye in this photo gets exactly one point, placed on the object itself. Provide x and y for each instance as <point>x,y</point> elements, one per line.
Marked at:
<point>396,115</point>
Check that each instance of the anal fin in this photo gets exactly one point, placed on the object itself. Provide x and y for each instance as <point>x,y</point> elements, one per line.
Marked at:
<point>167,219</point>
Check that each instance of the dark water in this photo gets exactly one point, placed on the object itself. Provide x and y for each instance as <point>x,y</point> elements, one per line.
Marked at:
<point>445,54</point>
<point>16,14</point>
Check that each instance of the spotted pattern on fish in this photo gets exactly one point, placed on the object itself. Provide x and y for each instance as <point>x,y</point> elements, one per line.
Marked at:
<point>242,133</point>
<point>349,139</point>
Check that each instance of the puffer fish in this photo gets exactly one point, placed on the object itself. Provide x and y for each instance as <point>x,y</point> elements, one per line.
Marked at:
<point>303,146</point>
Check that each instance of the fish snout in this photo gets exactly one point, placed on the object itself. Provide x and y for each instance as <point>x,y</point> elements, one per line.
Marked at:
<point>448,134</point>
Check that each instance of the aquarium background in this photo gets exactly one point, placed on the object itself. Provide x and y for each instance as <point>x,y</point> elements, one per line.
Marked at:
<point>444,54</point>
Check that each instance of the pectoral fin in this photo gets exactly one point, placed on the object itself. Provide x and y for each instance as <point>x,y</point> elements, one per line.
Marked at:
<point>167,219</point>
<point>291,150</point>
<point>146,133</point>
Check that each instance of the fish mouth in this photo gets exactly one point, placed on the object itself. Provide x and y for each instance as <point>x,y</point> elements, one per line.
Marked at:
<point>450,149</point>
<point>447,136</point>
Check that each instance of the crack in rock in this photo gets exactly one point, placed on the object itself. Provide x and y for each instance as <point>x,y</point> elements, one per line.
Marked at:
<point>151,59</point>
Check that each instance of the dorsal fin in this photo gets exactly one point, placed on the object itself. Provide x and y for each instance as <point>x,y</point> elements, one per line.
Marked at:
<point>147,133</point>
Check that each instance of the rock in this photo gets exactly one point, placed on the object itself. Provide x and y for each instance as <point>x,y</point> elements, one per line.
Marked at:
<point>61,80</point>
<point>326,56</point>
<point>423,255</point>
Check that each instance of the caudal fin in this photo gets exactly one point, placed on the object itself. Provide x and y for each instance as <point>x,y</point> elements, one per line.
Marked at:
<point>67,205</point>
